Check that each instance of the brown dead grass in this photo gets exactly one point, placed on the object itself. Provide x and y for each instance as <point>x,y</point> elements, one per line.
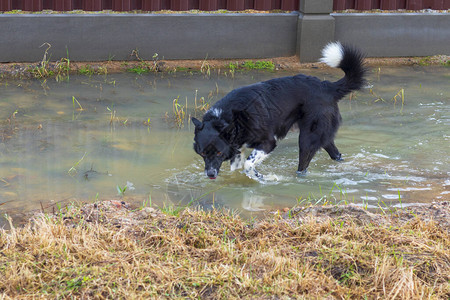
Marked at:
<point>106,250</point>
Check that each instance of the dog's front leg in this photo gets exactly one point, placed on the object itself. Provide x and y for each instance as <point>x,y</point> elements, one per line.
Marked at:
<point>254,159</point>
<point>237,162</point>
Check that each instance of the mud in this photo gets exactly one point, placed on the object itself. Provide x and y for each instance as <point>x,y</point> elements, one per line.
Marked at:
<point>123,215</point>
<point>438,212</point>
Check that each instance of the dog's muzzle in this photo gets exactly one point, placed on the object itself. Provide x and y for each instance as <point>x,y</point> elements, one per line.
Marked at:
<point>211,173</point>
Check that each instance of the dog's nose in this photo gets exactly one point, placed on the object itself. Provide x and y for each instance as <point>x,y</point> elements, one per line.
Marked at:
<point>211,173</point>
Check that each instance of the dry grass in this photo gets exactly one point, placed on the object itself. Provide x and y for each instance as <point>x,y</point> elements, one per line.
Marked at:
<point>106,250</point>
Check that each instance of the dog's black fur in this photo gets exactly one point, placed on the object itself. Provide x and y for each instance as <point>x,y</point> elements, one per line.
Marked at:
<point>260,114</point>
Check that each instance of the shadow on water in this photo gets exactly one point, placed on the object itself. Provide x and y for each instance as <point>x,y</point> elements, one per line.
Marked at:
<point>127,136</point>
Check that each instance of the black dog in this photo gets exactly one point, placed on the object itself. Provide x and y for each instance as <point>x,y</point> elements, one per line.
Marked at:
<point>260,114</point>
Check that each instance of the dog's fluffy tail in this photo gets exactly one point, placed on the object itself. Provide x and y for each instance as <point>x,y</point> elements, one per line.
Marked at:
<point>351,61</point>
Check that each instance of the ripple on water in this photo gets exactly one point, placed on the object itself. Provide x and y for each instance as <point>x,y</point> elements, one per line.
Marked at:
<point>369,198</point>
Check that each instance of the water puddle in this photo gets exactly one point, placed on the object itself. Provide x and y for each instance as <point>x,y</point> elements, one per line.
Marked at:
<point>99,137</point>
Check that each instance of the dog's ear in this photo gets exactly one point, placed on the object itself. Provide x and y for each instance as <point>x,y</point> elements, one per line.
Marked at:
<point>197,123</point>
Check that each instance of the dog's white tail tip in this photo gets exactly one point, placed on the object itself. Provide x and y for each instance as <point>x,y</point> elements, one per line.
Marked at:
<point>332,54</point>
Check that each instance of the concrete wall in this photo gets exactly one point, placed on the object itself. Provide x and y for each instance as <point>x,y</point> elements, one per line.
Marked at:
<point>190,36</point>
<point>404,34</point>
<point>176,36</point>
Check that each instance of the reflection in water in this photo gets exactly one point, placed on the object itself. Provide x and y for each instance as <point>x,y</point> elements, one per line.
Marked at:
<point>252,202</point>
<point>123,131</point>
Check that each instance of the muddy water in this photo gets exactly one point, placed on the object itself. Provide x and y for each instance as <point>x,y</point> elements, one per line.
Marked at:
<point>89,137</point>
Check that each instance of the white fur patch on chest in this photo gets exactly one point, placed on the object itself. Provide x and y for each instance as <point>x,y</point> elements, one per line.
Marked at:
<point>215,112</point>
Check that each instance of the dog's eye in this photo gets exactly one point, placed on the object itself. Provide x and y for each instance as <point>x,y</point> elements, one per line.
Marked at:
<point>203,154</point>
<point>219,153</point>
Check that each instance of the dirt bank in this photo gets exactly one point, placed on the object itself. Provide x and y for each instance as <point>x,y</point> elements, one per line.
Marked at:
<point>65,67</point>
<point>122,214</point>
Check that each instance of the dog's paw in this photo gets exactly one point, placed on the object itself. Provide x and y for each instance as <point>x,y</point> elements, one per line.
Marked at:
<point>339,158</point>
<point>263,179</point>
<point>253,174</point>
<point>301,173</point>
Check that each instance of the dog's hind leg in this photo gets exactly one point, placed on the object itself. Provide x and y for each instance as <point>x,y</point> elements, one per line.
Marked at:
<point>333,151</point>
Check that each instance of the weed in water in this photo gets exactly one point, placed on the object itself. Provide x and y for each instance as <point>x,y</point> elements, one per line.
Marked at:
<point>378,98</point>
<point>42,70</point>
<point>102,71</point>
<point>397,97</point>
<point>401,95</point>
<point>113,118</point>
<point>200,105</point>
<point>79,108</point>
<point>179,111</point>
<point>73,170</point>
<point>74,100</point>
<point>147,122</point>
<point>205,67</point>
<point>112,114</point>
<point>7,132</point>
<point>62,68</point>
<point>121,190</point>
<point>12,117</point>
